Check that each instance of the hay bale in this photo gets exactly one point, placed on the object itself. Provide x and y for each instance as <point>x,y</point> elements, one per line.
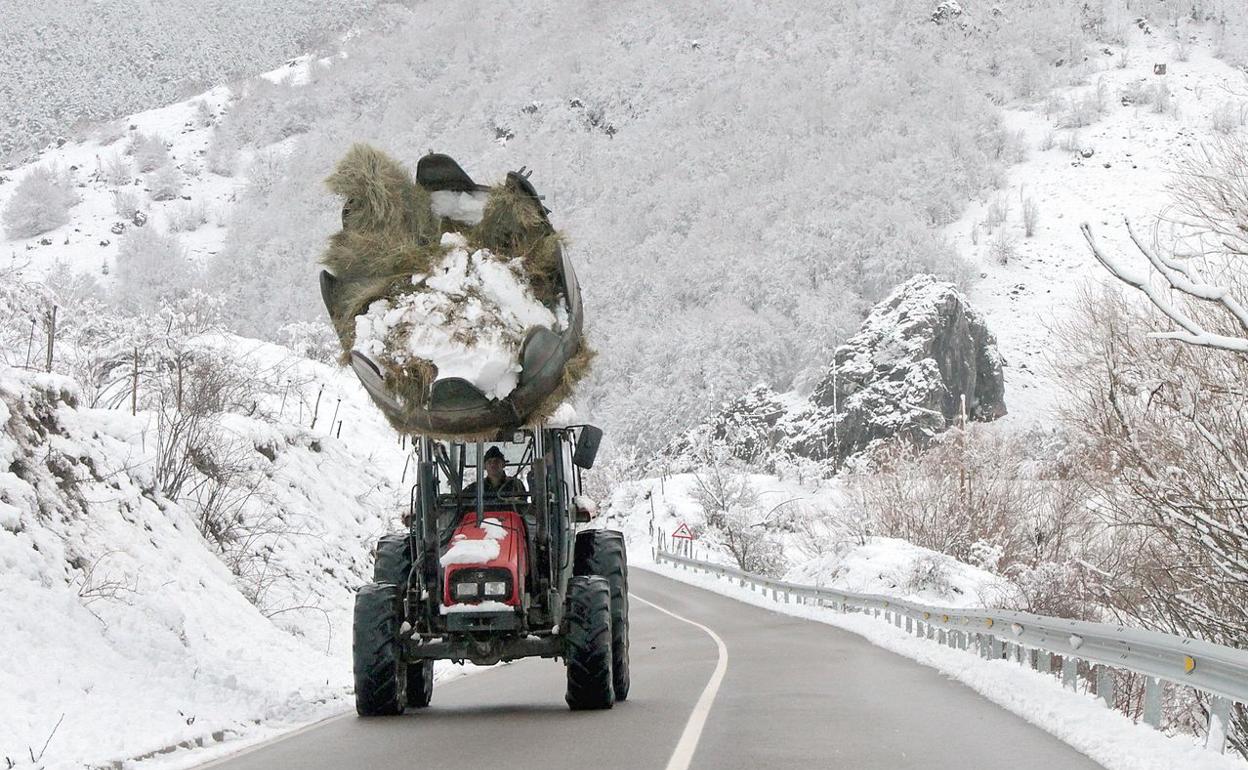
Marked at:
<point>426,292</point>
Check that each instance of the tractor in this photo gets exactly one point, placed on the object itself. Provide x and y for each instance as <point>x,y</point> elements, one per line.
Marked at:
<point>490,577</point>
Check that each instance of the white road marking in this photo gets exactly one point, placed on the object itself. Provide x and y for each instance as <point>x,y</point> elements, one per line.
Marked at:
<point>688,743</point>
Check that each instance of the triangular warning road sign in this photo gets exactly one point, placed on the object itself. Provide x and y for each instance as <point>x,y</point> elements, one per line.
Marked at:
<point>683,532</point>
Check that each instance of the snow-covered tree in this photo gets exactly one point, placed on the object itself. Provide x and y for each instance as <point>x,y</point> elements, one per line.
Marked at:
<point>151,267</point>
<point>40,203</point>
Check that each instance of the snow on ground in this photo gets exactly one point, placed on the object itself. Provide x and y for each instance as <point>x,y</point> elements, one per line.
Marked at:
<point>1077,718</point>
<point>1149,122</point>
<point>887,566</point>
<point>817,555</point>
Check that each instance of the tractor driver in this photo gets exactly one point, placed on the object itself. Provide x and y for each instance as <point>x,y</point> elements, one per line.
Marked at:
<point>497,484</point>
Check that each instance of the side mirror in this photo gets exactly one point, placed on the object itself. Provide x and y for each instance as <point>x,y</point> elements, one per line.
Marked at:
<point>587,442</point>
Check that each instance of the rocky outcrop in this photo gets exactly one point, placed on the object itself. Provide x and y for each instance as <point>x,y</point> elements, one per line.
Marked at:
<point>922,359</point>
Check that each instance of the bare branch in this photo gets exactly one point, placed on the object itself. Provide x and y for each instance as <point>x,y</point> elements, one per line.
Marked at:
<point>1179,279</point>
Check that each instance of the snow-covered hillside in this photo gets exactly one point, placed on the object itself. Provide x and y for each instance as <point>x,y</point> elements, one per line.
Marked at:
<point>119,612</point>
<point>68,65</point>
<point>1098,153</point>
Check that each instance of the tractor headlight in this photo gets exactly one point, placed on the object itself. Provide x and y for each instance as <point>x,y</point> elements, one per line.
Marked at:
<point>465,590</point>
<point>495,588</point>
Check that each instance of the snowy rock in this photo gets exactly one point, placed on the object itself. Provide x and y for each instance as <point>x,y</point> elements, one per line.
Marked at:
<point>920,359</point>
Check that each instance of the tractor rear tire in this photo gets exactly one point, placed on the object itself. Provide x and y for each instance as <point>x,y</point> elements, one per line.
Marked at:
<point>602,552</point>
<point>587,644</point>
<point>380,673</point>
<point>419,684</point>
<point>393,562</point>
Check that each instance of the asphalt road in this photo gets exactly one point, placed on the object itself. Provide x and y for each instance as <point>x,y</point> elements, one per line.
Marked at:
<point>794,693</point>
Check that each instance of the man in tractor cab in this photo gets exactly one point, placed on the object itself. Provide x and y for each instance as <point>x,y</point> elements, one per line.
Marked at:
<point>497,485</point>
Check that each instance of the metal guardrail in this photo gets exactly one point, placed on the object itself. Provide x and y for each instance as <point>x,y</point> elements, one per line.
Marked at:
<point>1220,671</point>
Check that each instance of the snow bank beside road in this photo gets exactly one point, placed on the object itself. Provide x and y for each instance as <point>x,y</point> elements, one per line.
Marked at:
<point>1079,719</point>
<point>125,631</point>
<point>887,566</point>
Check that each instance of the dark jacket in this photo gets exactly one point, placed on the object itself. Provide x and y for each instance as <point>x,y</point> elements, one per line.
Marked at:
<point>508,487</point>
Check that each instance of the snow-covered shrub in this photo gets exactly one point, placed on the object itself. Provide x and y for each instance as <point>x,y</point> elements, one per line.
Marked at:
<point>928,574</point>
<point>222,153</point>
<point>151,267</point>
<point>1002,249</point>
<point>148,150</point>
<point>204,116</point>
<point>1160,98</point>
<point>1082,111</point>
<point>1228,116</point>
<point>1057,589</point>
<point>998,211</point>
<point>41,202</point>
<point>986,494</point>
<point>116,170</point>
<point>311,339</point>
<point>165,183</point>
<point>733,517</point>
<point>265,112</point>
<point>1165,426</point>
<point>126,203</point>
<point>23,306</point>
<point>187,216</point>
<point>1031,216</point>
<point>1054,105</point>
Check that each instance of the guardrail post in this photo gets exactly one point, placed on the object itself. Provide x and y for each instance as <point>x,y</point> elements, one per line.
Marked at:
<point>1219,716</point>
<point>1044,662</point>
<point>997,647</point>
<point>931,631</point>
<point>1105,684</point>
<point>786,597</point>
<point>1070,672</point>
<point>1154,690</point>
<point>909,625</point>
<point>940,636</point>
<point>897,619</point>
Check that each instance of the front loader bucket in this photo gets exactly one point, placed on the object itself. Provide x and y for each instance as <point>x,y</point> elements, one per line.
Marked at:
<point>456,407</point>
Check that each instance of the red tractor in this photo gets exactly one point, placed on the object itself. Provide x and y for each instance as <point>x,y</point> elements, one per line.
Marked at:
<point>488,576</point>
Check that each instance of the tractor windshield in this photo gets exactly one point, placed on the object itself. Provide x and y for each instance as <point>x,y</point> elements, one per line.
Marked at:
<point>502,468</point>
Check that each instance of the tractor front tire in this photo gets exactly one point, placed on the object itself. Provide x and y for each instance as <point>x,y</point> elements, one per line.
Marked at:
<point>587,644</point>
<point>602,552</point>
<point>393,562</point>
<point>380,673</point>
<point>419,684</point>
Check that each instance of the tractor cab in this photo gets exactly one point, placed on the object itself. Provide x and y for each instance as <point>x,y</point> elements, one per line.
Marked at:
<point>491,532</point>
